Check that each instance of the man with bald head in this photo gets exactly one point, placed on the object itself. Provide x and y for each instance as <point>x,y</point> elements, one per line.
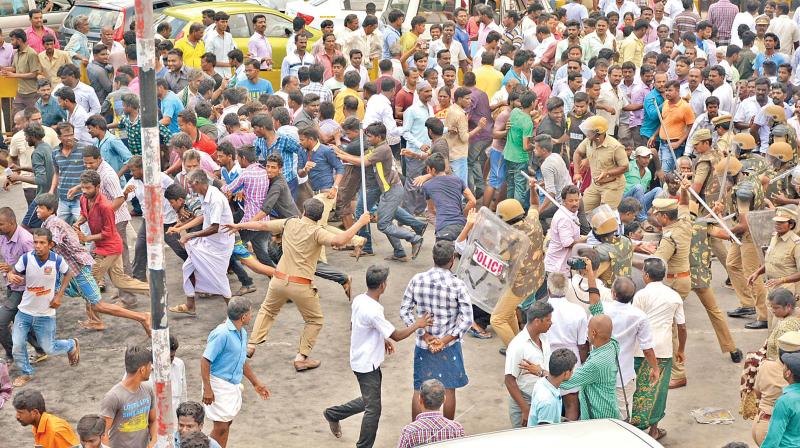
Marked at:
<point>597,377</point>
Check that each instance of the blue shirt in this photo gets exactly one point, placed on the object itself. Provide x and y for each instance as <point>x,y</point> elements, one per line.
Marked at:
<point>211,442</point>
<point>784,425</point>
<point>545,404</point>
<point>651,123</point>
<point>390,38</point>
<point>171,106</point>
<point>327,165</point>
<point>113,151</point>
<point>511,74</point>
<point>414,130</point>
<point>776,57</point>
<point>51,113</point>
<point>69,170</point>
<point>284,146</point>
<point>462,37</point>
<point>256,89</point>
<point>226,350</point>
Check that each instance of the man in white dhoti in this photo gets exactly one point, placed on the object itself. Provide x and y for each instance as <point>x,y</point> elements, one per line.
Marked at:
<point>222,366</point>
<point>209,249</point>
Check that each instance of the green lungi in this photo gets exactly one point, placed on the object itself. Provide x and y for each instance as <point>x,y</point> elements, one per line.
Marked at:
<point>650,400</point>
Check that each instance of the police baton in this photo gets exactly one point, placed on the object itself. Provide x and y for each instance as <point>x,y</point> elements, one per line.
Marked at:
<point>714,215</point>
<point>546,194</point>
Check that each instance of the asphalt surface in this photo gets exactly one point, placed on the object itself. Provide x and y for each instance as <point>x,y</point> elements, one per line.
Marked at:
<point>292,417</point>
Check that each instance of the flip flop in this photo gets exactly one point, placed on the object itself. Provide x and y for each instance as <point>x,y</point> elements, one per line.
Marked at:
<point>661,434</point>
<point>183,309</point>
<point>36,358</point>
<point>245,290</point>
<point>479,335</point>
<point>75,355</point>
<point>396,258</point>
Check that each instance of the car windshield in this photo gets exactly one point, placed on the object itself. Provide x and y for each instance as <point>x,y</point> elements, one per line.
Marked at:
<point>175,23</point>
<point>98,17</point>
<point>361,5</point>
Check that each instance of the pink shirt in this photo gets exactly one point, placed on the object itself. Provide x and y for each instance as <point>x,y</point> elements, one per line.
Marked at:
<point>35,41</point>
<point>564,231</point>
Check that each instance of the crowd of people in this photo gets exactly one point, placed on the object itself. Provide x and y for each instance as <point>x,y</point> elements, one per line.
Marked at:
<point>631,142</point>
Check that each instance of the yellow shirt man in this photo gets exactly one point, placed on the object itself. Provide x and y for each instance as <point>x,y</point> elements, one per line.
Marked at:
<point>191,53</point>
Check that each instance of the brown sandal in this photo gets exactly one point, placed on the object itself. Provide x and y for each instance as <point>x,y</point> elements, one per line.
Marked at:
<point>75,355</point>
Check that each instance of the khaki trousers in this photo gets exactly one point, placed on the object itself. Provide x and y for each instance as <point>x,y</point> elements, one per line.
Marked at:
<point>720,250</point>
<point>759,430</point>
<point>742,262</point>
<point>596,195</point>
<point>305,297</point>
<point>112,265</point>
<point>122,229</point>
<point>504,317</point>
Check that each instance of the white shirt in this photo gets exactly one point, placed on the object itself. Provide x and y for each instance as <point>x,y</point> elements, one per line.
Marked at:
<point>743,18</point>
<point>662,306</point>
<point>627,6</point>
<point>630,326</point>
<point>542,48</point>
<point>576,11</point>
<point>665,20</point>
<point>220,46</point>
<point>747,110</point>
<point>456,52</point>
<point>40,282</point>
<point>521,348</point>
<point>725,95</point>
<point>788,33</point>
<point>614,98</point>
<point>170,217</point>
<point>85,96</point>
<point>672,8</point>
<point>363,73</point>
<point>578,295</point>
<point>78,119</point>
<point>379,110</point>
<point>292,62</point>
<point>698,97</point>
<point>369,328</point>
<point>570,325</point>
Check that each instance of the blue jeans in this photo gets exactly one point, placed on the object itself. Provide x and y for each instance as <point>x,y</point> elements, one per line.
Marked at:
<point>387,207</point>
<point>403,217</point>
<point>45,330</point>
<point>667,162</point>
<point>646,199</point>
<point>461,169</point>
<point>69,210</point>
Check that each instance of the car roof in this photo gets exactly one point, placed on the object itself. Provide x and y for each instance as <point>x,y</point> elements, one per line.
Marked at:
<point>195,10</point>
<point>565,435</point>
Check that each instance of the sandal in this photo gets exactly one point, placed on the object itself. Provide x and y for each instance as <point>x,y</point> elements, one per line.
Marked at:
<point>348,287</point>
<point>661,434</point>
<point>75,355</point>
<point>479,334</point>
<point>396,258</point>
<point>183,309</point>
<point>21,380</point>
<point>245,290</point>
<point>36,358</point>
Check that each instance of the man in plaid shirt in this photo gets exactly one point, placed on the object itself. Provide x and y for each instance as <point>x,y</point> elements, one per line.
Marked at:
<point>437,354</point>
<point>721,15</point>
<point>430,425</point>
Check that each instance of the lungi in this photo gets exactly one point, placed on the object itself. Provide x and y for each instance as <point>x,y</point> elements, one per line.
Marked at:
<point>227,400</point>
<point>208,261</point>
<point>650,400</point>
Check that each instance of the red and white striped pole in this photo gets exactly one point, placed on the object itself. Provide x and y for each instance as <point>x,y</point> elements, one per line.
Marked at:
<point>154,220</point>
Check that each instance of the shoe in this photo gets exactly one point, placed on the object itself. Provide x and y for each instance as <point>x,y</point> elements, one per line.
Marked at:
<point>728,283</point>
<point>736,356</point>
<point>742,312</point>
<point>676,384</point>
<point>415,248</point>
<point>306,364</point>
<point>756,325</point>
<point>503,351</point>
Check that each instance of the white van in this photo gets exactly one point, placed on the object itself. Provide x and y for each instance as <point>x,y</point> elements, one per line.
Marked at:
<point>14,14</point>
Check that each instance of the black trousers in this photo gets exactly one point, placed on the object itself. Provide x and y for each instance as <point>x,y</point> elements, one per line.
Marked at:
<point>260,242</point>
<point>369,403</point>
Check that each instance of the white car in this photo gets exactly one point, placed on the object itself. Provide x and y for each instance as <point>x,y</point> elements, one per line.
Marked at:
<point>315,11</point>
<point>581,434</point>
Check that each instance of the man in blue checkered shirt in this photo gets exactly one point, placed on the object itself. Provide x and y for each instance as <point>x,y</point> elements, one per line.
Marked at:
<point>437,354</point>
<point>268,142</point>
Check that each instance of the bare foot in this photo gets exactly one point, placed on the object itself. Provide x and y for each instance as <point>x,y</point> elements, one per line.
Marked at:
<point>92,325</point>
<point>336,429</point>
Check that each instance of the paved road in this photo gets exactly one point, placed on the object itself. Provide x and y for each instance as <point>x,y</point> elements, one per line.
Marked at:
<point>292,417</point>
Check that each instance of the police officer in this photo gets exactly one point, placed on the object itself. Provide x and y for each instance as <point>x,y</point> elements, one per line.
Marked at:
<point>724,138</point>
<point>779,156</point>
<point>674,248</point>
<point>781,266</point>
<point>747,194</point>
<point>704,182</point>
<point>751,162</point>
<point>608,162</point>
<point>615,251</point>
<point>700,267</point>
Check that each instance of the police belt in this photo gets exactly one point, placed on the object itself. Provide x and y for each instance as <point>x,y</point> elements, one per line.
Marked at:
<point>292,279</point>
<point>679,275</point>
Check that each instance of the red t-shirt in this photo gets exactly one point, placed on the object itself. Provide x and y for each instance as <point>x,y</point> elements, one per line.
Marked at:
<point>205,143</point>
<point>403,100</point>
<point>101,220</point>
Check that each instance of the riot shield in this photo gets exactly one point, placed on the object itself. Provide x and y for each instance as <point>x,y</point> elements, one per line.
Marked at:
<point>489,264</point>
<point>761,228</point>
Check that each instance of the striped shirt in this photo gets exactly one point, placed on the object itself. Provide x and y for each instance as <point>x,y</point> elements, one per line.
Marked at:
<point>69,168</point>
<point>685,22</point>
<point>111,189</point>
<point>513,36</point>
<point>597,379</point>
<point>429,427</point>
<point>721,15</point>
<point>325,95</point>
<point>441,294</point>
<point>292,63</point>
<point>253,183</point>
<point>67,243</point>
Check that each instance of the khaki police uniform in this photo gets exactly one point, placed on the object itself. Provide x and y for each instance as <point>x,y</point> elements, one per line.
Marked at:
<point>608,155</point>
<point>674,247</point>
<point>770,383</point>
<point>782,258</point>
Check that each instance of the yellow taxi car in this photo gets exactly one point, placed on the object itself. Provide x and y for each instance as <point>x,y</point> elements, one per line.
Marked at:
<point>240,24</point>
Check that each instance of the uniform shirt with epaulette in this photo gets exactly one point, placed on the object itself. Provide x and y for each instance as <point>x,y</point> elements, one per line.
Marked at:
<point>704,175</point>
<point>674,246</point>
<point>618,251</point>
<point>604,157</point>
<point>783,257</point>
<point>700,255</point>
<point>723,144</point>
<point>531,274</point>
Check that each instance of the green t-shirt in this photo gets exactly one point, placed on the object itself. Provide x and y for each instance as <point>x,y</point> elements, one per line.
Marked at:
<point>521,127</point>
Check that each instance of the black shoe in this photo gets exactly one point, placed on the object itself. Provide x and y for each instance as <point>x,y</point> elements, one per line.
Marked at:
<point>756,325</point>
<point>736,356</point>
<point>728,283</point>
<point>503,351</point>
<point>742,312</point>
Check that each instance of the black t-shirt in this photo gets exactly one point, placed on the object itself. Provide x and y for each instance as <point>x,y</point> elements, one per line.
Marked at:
<point>354,149</point>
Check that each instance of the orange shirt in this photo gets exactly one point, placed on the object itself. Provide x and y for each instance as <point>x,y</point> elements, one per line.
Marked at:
<point>678,119</point>
<point>54,432</point>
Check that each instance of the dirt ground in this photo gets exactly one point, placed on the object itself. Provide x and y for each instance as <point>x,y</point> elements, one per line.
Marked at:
<point>292,417</point>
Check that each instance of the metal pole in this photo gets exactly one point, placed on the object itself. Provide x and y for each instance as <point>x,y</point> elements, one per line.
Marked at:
<point>154,220</point>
